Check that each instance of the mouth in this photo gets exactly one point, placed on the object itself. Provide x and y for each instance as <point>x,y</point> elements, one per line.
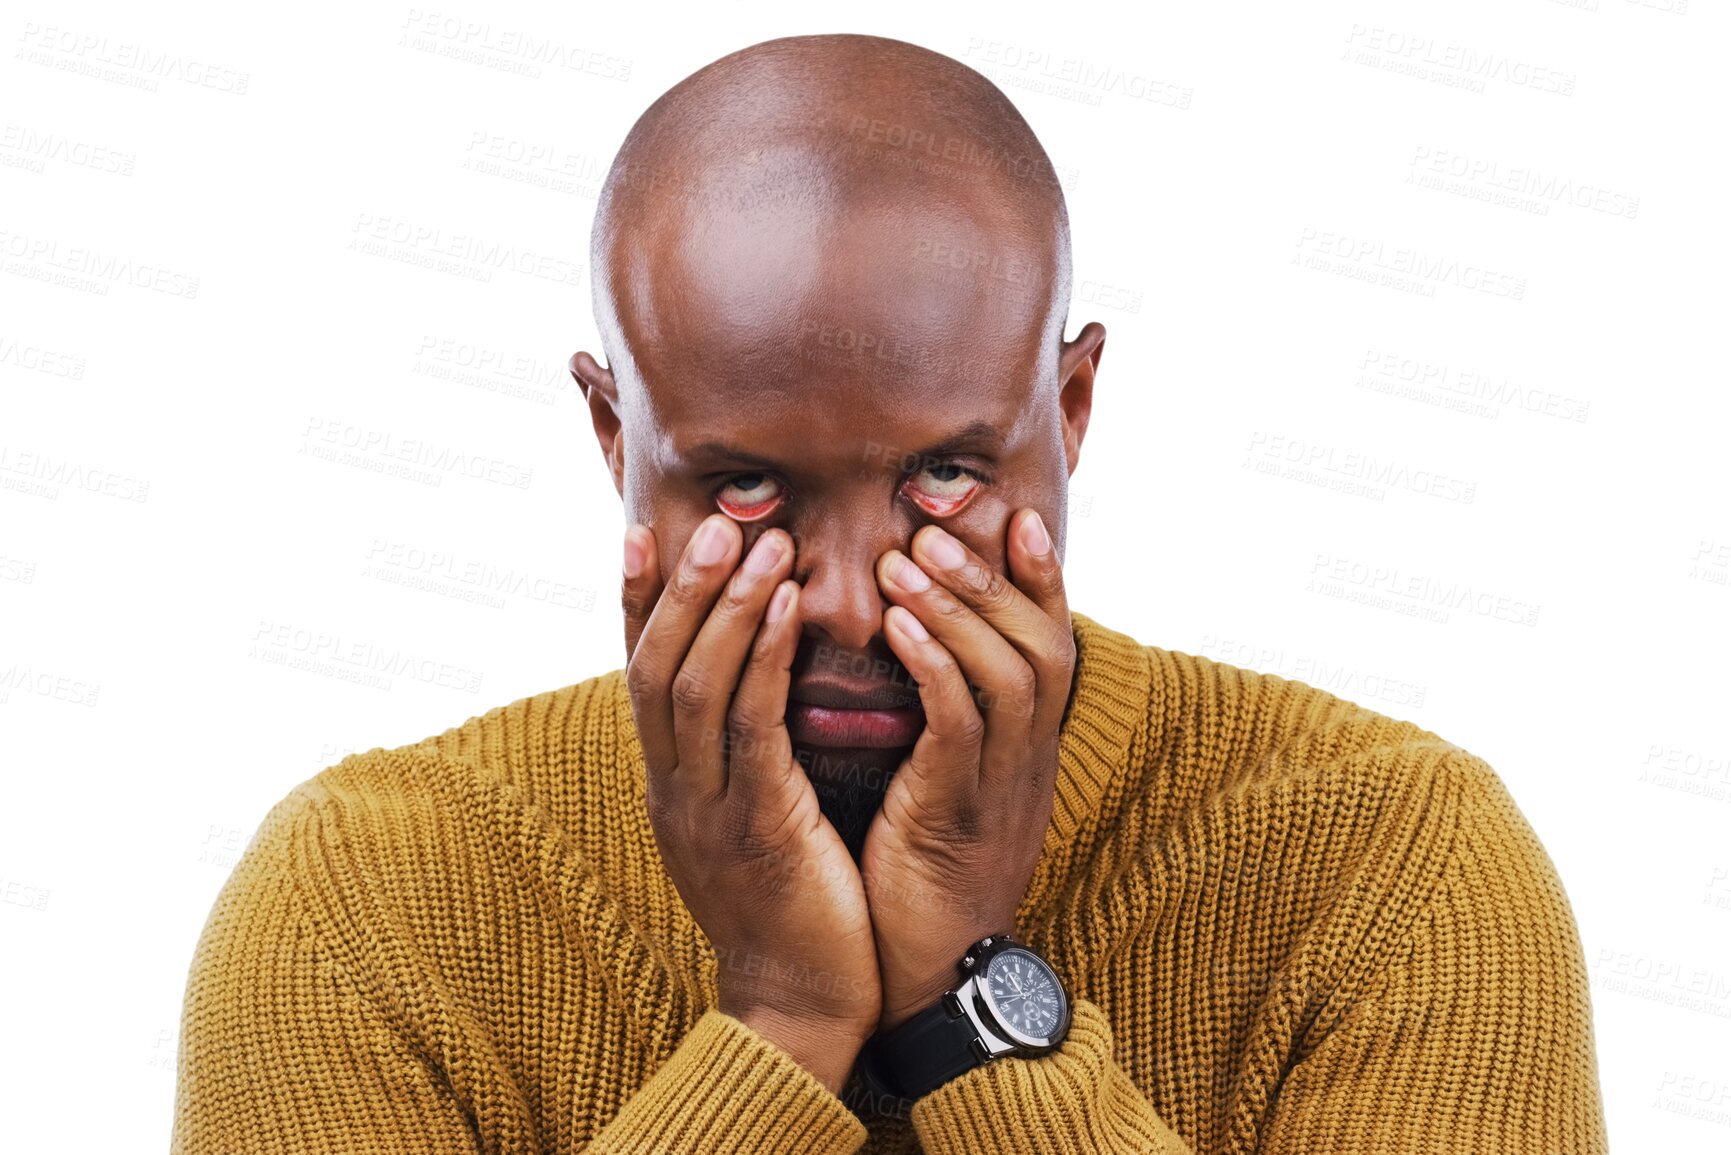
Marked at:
<point>825,713</point>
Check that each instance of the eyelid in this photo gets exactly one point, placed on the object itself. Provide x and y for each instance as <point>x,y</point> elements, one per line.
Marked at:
<point>768,507</point>
<point>981,478</point>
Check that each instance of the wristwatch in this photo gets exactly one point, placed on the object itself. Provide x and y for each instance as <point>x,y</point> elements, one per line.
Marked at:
<point>1010,1002</point>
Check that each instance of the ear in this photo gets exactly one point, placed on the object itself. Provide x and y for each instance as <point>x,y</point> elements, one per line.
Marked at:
<point>602,394</point>
<point>1078,361</point>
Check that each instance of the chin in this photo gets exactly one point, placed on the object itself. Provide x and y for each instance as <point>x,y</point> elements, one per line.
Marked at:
<point>867,769</point>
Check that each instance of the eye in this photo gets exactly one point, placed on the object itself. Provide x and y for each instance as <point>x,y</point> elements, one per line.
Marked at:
<point>748,496</point>
<point>942,487</point>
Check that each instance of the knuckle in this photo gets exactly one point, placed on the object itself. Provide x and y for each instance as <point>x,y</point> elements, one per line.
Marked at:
<point>965,727</point>
<point>1016,697</point>
<point>735,601</point>
<point>747,719</point>
<point>641,676</point>
<point>953,612</point>
<point>689,692</point>
<point>1059,650</point>
<point>949,671</point>
<point>990,586</point>
<point>686,585</point>
<point>632,597</point>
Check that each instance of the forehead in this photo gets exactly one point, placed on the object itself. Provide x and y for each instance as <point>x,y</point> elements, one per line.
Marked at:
<point>824,434</point>
<point>835,313</point>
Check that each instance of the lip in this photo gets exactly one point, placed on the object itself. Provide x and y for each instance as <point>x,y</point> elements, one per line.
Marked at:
<point>811,725</point>
<point>828,713</point>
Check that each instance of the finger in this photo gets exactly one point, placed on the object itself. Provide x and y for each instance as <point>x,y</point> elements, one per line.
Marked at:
<point>1004,680</point>
<point>703,689</point>
<point>1038,630</point>
<point>760,751</point>
<point>942,771</point>
<point>640,582</point>
<point>673,622</point>
<point>641,590</point>
<point>1035,568</point>
<point>1038,573</point>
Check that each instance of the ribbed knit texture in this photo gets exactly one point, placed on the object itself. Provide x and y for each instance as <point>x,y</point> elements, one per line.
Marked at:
<point>1290,925</point>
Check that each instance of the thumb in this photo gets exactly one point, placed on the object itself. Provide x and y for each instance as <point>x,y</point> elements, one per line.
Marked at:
<point>640,583</point>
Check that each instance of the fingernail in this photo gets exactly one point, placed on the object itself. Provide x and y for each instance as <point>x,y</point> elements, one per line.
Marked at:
<point>908,575</point>
<point>910,625</point>
<point>635,554</point>
<point>778,602</point>
<point>711,543</point>
<point>764,555</point>
<point>1034,538</point>
<point>944,550</point>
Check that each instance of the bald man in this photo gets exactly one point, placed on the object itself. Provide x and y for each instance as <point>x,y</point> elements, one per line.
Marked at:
<point>874,844</point>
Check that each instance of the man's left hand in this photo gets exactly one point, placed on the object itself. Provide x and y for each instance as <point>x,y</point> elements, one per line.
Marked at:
<point>950,854</point>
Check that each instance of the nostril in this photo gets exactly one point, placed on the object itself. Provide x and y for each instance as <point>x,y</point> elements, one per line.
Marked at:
<point>849,618</point>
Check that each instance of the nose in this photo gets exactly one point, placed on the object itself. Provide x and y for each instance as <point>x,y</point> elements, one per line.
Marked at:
<point>839,596</point>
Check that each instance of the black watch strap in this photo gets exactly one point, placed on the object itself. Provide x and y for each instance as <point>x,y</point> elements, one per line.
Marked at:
<point>925,1052</point>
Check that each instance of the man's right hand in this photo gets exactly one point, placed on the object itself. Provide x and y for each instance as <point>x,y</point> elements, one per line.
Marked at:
<point>737,821</point>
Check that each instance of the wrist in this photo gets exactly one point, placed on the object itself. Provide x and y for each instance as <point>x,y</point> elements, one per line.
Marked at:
<point>923,996</point>
<point>1009,1000</point>
<point>915,983</point>
<point>824,1047</point>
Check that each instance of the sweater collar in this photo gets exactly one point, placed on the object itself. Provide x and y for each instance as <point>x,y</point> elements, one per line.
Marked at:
<point>1109,704</point>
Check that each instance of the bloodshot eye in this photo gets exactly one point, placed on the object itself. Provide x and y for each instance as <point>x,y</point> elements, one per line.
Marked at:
<point>751,501</point>
<point>943,487</point>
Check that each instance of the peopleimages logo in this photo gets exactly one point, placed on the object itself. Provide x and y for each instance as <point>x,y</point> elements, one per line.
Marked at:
<point>1369,255</point>
<point>333,439</point>
<point>1424,57</point>
<point>45,259</point>
<point>109,60</point>
<point>1479,175</point>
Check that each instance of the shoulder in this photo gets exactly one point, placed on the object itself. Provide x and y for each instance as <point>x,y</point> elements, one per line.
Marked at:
<point>1357,805</point>
<point>387,822</point>
<point>540,783</point>
<point>1229,754</point>
<point>1214,727</point>
<point>561,751</point>
<point>536,738</point>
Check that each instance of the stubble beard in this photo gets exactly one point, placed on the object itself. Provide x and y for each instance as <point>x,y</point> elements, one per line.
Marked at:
<point>849,791</point>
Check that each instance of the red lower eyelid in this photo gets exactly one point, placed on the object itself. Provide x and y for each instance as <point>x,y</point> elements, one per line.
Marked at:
<point>942,505</point>
<point>931,504</point>
<point>748,512</point>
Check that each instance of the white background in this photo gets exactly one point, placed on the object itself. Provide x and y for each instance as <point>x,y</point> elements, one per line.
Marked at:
<point>1490,497</point>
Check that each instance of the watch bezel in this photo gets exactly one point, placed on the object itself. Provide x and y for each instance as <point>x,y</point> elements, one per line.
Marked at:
<point>979,961</point>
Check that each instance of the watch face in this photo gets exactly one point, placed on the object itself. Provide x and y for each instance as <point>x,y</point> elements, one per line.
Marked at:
<point>1024,994</point>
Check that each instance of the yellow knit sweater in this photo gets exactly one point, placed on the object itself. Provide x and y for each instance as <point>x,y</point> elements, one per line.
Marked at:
<point>1289,925</point>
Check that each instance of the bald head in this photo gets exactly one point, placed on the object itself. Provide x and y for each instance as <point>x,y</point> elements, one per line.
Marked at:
<point>831,279</point>
<point>847,167</point>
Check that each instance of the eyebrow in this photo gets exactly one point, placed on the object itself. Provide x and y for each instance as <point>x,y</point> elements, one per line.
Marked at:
<point>974,436</point>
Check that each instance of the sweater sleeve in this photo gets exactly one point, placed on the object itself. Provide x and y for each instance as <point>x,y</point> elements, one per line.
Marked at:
<point>1477,1035</point>
<point>726,1089</point>
<point>1076,1100</point>
<point>288,1047</point>
<point>283,1053</point>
